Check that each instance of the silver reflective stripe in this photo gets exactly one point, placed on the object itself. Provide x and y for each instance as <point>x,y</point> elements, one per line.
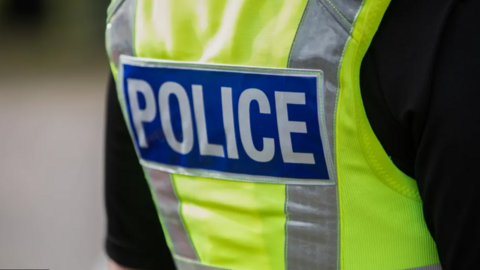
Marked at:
<point>312,211</point>
<point>312,227</point>
<point>169,208</point>
<point>347,9</point>
<point>429,267</point>
<point>319,45</point>
<point>120,41</point>
<point>184,264</point>
<point>119,34</point>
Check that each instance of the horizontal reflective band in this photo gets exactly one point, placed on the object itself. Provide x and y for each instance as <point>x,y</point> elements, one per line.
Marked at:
<point>429,267</point>
<point>229,122</point>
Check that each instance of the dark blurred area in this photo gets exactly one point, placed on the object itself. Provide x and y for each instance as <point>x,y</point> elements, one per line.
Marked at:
<point>53,73</point>
<point>33,30</point>
<point>25,13</point>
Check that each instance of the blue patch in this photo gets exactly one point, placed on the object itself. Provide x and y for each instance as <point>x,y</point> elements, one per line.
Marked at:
<point>273,131</point>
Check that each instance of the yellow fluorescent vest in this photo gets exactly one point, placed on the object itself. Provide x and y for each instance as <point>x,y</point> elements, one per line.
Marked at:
<point>368,217</point>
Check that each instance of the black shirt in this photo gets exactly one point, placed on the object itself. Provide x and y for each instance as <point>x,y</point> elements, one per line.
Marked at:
<point>420,82</point>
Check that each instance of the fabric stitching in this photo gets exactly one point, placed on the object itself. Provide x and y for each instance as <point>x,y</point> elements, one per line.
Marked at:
<point>329,156</point>
<point>340,212</point>
<point>341,258</point>
<point>384,176</point>
<point>339,13</point>
<point>339,21</point>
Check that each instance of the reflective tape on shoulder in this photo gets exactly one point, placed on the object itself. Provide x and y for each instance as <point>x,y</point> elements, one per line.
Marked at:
<point>120,29</point>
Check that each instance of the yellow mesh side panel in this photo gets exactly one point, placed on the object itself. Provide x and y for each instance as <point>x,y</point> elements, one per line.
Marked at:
<point>382,226</point>
<point>235,225</point>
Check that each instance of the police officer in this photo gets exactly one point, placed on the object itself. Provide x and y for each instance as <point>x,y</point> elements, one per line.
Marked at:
<point>309,134</point>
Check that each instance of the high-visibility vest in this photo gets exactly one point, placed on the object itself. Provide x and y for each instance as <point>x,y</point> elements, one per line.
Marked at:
<point>326,197</point>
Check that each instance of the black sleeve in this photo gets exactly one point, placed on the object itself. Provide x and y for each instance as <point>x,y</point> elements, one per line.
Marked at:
<point>421,90</point>
<point>134,238</point>
<point>448,157</point>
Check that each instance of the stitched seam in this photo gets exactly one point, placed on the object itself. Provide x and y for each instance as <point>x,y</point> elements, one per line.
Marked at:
<point>339,13</point>
<point>383,176</point>
<point>358,13</point>
<point>335,145</point>
<point>338,196</point>
<point>371,158</point>
<point>340,257</point>
<point>329,156</point>
<point>332,13</point>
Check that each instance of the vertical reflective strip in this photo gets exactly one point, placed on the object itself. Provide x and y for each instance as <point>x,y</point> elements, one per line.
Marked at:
<point>429,267</point>
<point>319,45</point>
<point>312,227</point>
<point>120,31</point>
<point>313,211</point>
<point>169,207</point>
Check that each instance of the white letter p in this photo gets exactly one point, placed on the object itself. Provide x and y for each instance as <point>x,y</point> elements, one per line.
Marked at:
<point>140,116</point>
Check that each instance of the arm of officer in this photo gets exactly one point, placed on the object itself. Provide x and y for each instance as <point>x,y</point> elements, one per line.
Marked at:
<point>448,156</point>
<point>135,237</point>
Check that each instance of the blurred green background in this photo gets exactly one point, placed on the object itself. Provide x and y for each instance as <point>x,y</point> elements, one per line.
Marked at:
<point>53,74</point>
<point>36,30</point>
